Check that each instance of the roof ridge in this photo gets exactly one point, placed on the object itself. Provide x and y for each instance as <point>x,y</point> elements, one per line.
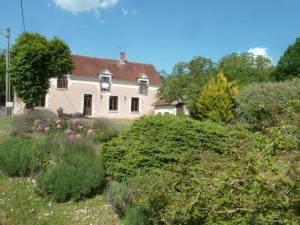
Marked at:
<point>116,60</point>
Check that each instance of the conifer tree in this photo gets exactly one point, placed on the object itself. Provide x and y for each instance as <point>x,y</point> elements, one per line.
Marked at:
<point>216,101</point>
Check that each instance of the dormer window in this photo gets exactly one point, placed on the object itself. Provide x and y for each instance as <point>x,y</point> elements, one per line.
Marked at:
<point>62,82</point>
<point>105,80</point>
<point>143,84</point>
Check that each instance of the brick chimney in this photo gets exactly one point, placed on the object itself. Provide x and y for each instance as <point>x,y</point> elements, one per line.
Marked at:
<point>123,57</point>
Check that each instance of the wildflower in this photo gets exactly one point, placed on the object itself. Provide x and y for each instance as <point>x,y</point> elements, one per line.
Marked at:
<point>58,122</point>
<point>40,128</point>
<point>76,122</point>
<point>78,136</point>
<point>47,129</point>
<point>90,132</point>
<point>69,131</point>
<point>71,136</point>
<point>59,126</point>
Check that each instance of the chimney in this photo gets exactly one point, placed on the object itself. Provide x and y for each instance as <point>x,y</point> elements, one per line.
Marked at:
<point>123,57</point>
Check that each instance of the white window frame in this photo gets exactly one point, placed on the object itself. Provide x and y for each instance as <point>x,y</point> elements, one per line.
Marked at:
<point>107,74</point>
<point>143,77</point>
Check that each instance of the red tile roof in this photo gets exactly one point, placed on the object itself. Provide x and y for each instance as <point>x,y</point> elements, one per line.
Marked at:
<point>129,71</point>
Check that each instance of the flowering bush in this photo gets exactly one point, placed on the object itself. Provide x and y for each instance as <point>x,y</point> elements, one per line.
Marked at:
<point>74,129</point>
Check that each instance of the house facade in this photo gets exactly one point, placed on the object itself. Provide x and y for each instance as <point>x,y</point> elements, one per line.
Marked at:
<point>103,88</point>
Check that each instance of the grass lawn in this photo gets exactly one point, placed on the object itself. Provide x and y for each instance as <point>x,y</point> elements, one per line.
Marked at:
<point>19,204</point>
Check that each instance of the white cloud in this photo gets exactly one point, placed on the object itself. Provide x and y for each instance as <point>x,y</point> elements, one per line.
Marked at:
<point>79,6</point>
<point>257,51</point>
<point>127,12</point>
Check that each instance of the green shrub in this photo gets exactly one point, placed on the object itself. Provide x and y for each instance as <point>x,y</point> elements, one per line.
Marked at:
<point>119,197</point>
<point>17,157</point>
<point>158,141</point>
<point>136,216</point>
<point>72,170</point>
<point>104,136</point>
<point>270,104</point>
<point>24,124</point>
<point>216,100</point>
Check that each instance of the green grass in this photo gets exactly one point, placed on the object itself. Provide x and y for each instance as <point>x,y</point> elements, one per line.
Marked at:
<point>4,127</point>
<point>19,204</point>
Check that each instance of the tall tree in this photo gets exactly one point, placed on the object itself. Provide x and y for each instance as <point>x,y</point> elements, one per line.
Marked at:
<point>35,60</point>
<point>246,68</point>
<point>2,77</point>
<point>187,80</point>
<point>289,64</point>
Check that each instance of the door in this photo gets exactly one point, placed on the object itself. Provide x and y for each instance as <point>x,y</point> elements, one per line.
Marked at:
<point>87,107</point>
<point>179,109</point>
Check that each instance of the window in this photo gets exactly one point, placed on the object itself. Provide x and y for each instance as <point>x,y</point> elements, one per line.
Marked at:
<point>135,104</point>
<point>143,87</point>
<point>62,82</point>
<point>105,83</point>
<point>41,101</point>
<point>113,103</point>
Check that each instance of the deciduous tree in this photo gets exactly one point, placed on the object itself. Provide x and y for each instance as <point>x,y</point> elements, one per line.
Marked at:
<point>289,64</point>
<point>35,60</point>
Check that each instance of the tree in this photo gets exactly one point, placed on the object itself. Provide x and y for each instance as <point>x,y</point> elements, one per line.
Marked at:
<point>2,77</point>
<point>289,64</point>
<point>35,60</point>
<point>246,68</point>
<point>187,80</point>
<point>216,101</point>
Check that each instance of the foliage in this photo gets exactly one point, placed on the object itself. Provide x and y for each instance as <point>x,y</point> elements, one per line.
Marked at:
<point>216,100</point>
<point>34,61</point>
<point>159,142</point>
<point>73,171</point>
<point>119,197</point>
<point>136,216</point>
<point>23,124</point>
<point>17,157</point>
<point>187,80</point>
<point>270,104</point>
<point>246,68</point>
<point>289,64</point>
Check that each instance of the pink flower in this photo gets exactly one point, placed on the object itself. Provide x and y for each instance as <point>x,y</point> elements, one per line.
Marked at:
<point>47,129</point>
<point>40,128</point>
<point>71,136</point>
<point>90,132</point>
<point>59,126</point>
<point>76,122</point>
<point>69,131</point>
<point>78,136</point>
<point>58,122</point>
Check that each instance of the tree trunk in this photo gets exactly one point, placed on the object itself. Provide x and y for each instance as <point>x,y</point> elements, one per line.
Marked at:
<point>28,108</point>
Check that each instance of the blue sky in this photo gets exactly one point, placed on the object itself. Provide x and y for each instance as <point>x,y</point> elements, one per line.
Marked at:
<point>161,32</point>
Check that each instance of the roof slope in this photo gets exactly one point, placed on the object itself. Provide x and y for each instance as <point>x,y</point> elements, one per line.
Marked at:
<point>129,71</point>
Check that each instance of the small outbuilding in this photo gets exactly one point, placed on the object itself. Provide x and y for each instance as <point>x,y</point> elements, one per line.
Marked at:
<point>162,107</point>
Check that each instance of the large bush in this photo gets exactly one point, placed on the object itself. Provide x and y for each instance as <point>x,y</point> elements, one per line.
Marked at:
<point>159,142</point>
<point>269,104</point>
<point>17,157</point>
<point>72,170</point>
<point>216,100</point>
